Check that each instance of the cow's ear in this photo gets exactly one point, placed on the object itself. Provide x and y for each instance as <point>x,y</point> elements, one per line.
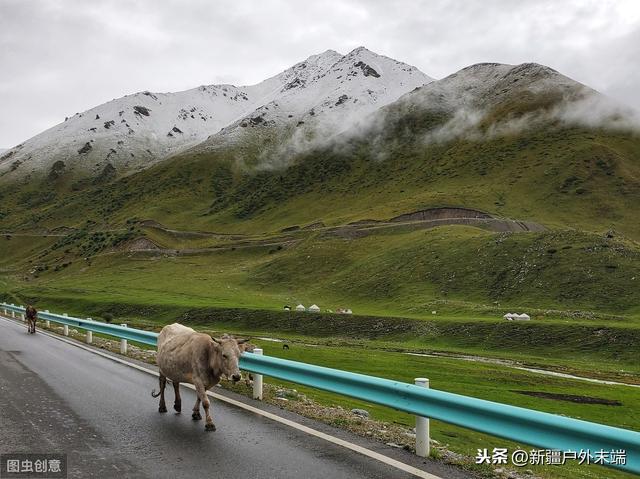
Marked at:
<point>242,341</point>
<point>216,340</point>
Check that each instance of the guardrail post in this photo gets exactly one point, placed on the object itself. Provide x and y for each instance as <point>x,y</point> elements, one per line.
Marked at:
<point>123,343</point>
<point>22,317</point>
<point>257,379</point>
<point>66,326</point>
<point>47,323</point>
<point>13,314</point>
<point>89,336</point>
<point>422,426</point>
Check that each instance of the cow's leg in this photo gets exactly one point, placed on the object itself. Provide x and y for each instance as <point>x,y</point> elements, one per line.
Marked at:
<point>177,404</point>
<point>196,416</point>
<point>202,394</point>
<point>162,407</point>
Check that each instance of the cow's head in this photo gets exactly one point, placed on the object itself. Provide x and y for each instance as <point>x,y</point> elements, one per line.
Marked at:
<point>226,361</point>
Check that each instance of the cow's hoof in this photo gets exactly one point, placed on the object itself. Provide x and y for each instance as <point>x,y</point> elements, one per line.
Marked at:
<point>177,408</point>
<point>196,416</point>
<point>162,409</point>
<point>210,427</point>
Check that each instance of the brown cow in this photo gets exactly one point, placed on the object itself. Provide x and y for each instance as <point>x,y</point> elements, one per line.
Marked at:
<point>31,315</point>
<point>185,355</point>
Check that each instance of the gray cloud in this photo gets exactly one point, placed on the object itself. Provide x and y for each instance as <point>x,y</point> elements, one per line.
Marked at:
<point>59,57</point>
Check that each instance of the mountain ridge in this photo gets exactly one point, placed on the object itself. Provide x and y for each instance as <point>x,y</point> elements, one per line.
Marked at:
<point>462,141</point>
<point>133,132</point>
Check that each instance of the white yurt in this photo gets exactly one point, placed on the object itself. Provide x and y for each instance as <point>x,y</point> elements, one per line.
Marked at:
<point>522,317</point>
<point>509,316</point>
<point>300,308</point>
<point>314,308</point>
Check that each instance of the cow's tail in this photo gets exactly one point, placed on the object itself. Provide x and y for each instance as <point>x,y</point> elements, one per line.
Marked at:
<point>163,384</point>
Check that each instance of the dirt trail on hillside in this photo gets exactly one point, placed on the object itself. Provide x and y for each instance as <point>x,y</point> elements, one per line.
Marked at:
<point>421,219</point>
<point>434,217</point>
<point>407,222</point>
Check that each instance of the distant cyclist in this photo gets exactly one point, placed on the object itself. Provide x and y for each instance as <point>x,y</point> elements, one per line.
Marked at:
<point>32,315</point>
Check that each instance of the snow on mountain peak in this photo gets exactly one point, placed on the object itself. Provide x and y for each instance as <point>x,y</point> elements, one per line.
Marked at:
<point>487,83</point>
<point>326,58</point>
<point>138,130</point>
<point>318,107</point>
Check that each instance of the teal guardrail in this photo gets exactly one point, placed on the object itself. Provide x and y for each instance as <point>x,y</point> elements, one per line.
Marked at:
<point>539,429</point>
<point>544,430</point>
<point>145,337</point>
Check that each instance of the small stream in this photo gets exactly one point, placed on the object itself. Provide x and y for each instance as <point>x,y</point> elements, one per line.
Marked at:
<point>502,362</point>
<point>513,365</point>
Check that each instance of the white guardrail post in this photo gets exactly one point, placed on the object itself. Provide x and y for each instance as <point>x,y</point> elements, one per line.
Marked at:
<point>22,317</point>
<point>65,326</point>
<point>47,323</point>
<point>123,343</point>
<point>89,336</point>
<point>13,313</point>
<point>257,379</point>
<point>422,426</point>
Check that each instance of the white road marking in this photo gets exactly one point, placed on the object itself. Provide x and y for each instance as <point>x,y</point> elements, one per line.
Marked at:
<point>274,417</point>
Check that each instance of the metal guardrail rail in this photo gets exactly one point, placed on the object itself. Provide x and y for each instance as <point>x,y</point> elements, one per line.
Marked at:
<point>539,429</point>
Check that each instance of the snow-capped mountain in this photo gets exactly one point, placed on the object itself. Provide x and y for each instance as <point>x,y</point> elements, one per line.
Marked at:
<point>130,132</point>
<point>136,131</point>
<point>486,100</point>
<point>487,84</point>
<point>315,109</point>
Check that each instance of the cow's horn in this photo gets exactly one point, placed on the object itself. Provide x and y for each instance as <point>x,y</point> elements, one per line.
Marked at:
<point>242,341</point>
<point>216,340</point>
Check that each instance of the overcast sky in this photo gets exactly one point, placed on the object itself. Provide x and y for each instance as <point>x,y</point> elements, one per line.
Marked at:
<point>58,57</point>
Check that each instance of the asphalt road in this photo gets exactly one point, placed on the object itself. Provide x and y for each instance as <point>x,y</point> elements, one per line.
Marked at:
<point>57,398</point>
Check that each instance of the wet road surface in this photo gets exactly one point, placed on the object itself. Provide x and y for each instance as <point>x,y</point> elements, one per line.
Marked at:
<point>57,398</point>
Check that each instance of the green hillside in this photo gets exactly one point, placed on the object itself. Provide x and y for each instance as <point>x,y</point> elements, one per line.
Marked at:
<point>570,178</point>
<point>260,236</point>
